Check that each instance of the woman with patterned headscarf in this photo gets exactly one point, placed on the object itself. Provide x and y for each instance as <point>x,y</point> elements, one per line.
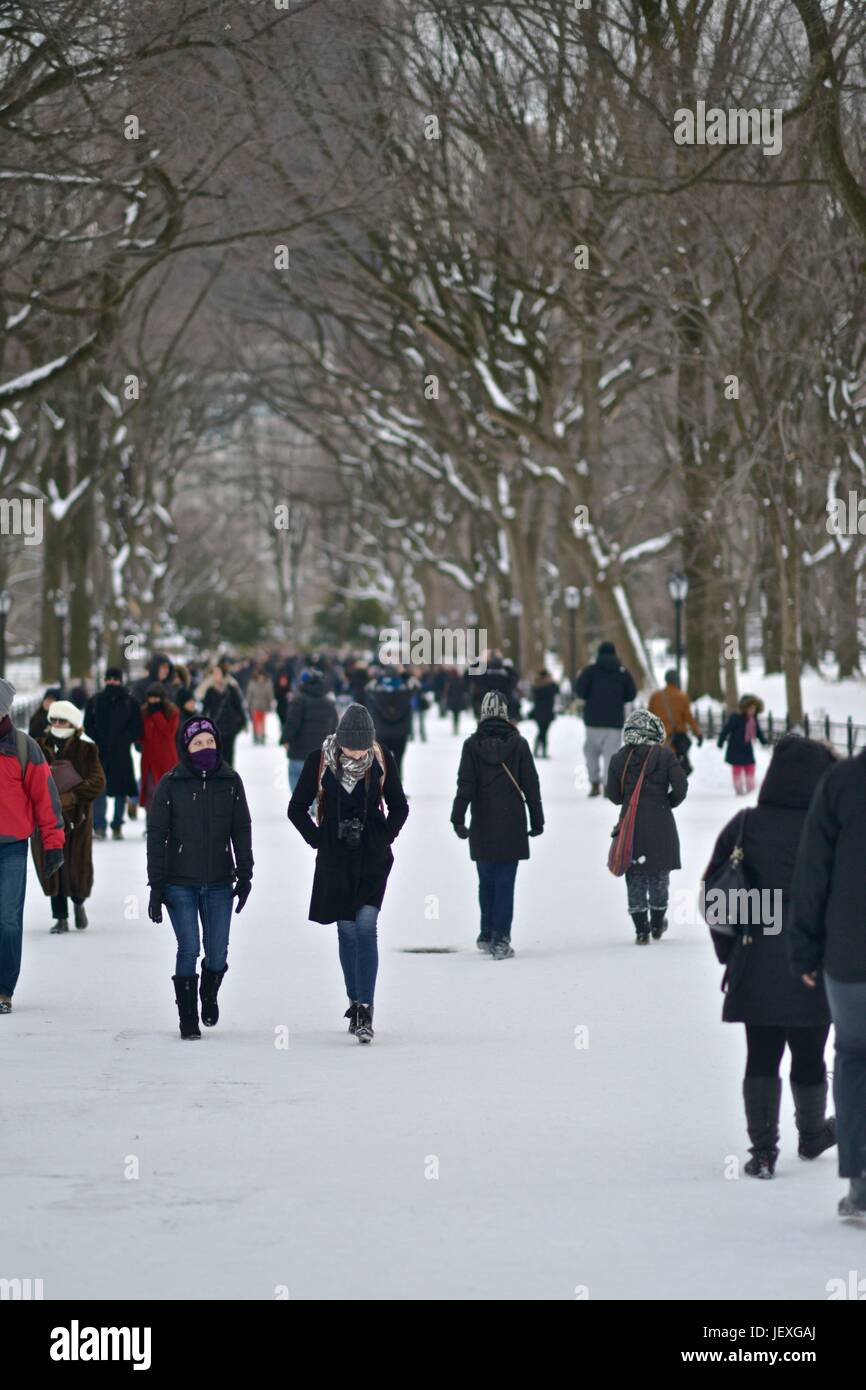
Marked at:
<point>656,849</point>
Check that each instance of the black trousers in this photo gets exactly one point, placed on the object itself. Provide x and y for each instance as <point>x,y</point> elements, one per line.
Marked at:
<point>766,1047</point>
<point>60,906</point>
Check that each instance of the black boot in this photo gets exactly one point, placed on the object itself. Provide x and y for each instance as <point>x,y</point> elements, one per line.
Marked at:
<point>595,789</point>
<point>80,916</point>
<point>352,1015</point>
<point>186,994</point>
<point>61,924</point>
<point>817,1132</point>
<point>853,1204</point>
<point>641,925</point>
<point>210,985</point>
<point>364,1025</point>
<point>658,922</point>
<point>763,1097</point>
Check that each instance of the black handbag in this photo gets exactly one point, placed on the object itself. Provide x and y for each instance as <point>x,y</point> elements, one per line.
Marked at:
<point>730,878</point>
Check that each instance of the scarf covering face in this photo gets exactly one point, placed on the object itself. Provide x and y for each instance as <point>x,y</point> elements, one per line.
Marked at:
<point>643,727</point>
<point>348,771</point>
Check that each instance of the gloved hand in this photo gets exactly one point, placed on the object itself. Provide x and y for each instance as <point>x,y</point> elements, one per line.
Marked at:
<point>538,831</point>
<point>700,740</point>
<point>53,861</point>
<point>154,907</point>
<point>242,892</point>
<point>460,831</point>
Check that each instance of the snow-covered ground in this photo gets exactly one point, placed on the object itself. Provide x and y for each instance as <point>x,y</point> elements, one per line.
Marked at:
<point>567,1120</point>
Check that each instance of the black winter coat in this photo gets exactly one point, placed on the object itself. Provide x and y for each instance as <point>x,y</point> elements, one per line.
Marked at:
<point>740,752</point>
<point>310,717</point>
<point>606,687</point>
<point>543,702</point>
<point>113,720</point>
<point>656,843</point>
<point>198,827</point>
<point>392,712</point>
<point>347,879</point>
<point>457,695</point>
<point>226,708</point>
<point>828,931</point>
<point>760,986</point>
<point>497,830</point>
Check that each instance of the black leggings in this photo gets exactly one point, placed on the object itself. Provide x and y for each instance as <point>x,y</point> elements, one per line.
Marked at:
<point>766,1046</point>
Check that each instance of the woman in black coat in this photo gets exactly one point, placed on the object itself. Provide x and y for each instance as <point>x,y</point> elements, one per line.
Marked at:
<point>221,701</point>
<point>113,720</point>
<point>497,775</point>
<point>760,989</point>
<point>349,780</point>
<point>544,693</point>
<point>656,848</point>
<point>456,697</point>
<point>739,732</point>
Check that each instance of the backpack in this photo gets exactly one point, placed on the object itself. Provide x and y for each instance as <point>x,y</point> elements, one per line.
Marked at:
<point>22,750</point>
<point>378,756</point>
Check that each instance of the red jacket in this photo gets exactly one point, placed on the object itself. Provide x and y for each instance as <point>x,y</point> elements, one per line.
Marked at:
<point>29,801</point>
<point>158,749</point>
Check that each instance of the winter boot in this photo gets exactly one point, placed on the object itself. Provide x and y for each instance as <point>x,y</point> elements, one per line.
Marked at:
<point>853,1204</point>
<point>595,789</point>
<point>352,1015</point>
<point>117,832</point>
<point>483,943</point>
<point>186,994</point>
<point>364,1023</point>
<point>658,922</point>
<point>817,1132</point>
<point>210,985</point>
<point>5,1004</point>
<point>62,924</point>
<point>641,925</point>
<point>80,916</point>
<point>99,834</point>
<point>763,1097</point>
<point>501,949</point>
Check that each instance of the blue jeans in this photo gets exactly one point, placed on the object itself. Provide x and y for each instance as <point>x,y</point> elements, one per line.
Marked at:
<point>496,896</point>
<point>848,1008</point>
<point>100,808</point>
<point>359,954</point>
<point>13,884</point>
<point>296,767</point>
<point>214,905</point>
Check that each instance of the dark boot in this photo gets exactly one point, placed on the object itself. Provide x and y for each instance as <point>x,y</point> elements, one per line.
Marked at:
<point>80,916</point>
<point>658,922</point>
<point>853,1204</point>
<point>641,925</point>
<point>61,924</point>
<point>352,1015</point>
<point>186,994</point>
<point>763,1097</point>
<point>364,1025</point>
<point>210,985</point>
<point>817,1132</point>
<point>595,789</point>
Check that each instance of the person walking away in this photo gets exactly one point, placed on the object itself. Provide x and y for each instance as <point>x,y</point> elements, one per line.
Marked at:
<point>456,698</point>
<point>674,709</point>
<point>112,719</point>
<point>739,732</point>
<point>605,687</point>
<point>353,780</point>
<point>260,699</point>
<point>221,702</point>
<point>497,782</point>
<point>74,763</point>
<point>544,693</point>
<point>827,941</point>
<point>311,716</point>
<point>776,1007</point>
<point>199,860</point>
<point>656,848</point>
<point>160,720</point>
<point>390,703</point>
<point>29,802</point>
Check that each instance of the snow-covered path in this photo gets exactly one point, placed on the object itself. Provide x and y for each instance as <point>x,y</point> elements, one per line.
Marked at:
<point>309,1168</point>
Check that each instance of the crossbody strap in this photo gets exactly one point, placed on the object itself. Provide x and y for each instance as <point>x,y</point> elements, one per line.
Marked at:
<point>507,770</point>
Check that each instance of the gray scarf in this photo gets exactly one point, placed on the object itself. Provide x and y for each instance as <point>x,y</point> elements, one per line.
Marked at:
<point>348,771</point>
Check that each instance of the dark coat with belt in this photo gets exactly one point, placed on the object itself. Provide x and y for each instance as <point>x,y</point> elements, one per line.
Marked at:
<point>310,717</point>
<point>348,878</point>
<point>760,985</point>
<point>75,876</point>
<point>828,930</point>
<point>497,830</point>
<point>113,720</point>
<point>198,827</point>
<point>656,843</point>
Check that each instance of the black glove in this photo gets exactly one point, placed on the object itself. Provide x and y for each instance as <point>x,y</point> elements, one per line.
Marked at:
<point>460,831</point>
<point>538,831</point>
<point>242,892</point>
<point>53,861</point>
<point>154,907</point>
<point>700,740</point>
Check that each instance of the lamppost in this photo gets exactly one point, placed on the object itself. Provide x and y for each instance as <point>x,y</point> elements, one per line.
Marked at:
<point>515,608</point>
<point>678,588</point>
<point>61,608</point>
<point>572,603</point>
<point>5,605</point>
<point>96,631</point>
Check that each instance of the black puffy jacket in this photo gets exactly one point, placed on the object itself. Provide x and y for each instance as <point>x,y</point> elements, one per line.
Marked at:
<point>606,687</point>
<point>310,717</point>
<point>198,827</point>
<point>498,830</point>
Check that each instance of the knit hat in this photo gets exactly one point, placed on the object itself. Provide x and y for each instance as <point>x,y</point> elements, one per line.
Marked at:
<point>494,705</point>
<point>606,649</point>
<point>198,725</point>
<point>643,727</point>
<point>154,689</point>
<point>356,729</point>
<point>7,695</point>
<point>113,673</point>
<point>64,709</point>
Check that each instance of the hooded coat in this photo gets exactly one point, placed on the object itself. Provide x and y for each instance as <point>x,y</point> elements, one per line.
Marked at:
<point>348,878</point>
<point>760,985</point>
<point>740,750</point>
<point>310,717</point>
<point>198,826</point>
<point>158,746</point>
<point>497,829</point>
<point>75,876</point>
<point>656,842</point>
<point>138,689</point>
<point>391,711</point>
<point>113,720</point>
<point>606,687</point>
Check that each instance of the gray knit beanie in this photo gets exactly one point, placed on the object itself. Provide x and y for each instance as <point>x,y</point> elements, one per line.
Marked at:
<point>494,705</point>
<point>7,695</point>
<point>356,729</point>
